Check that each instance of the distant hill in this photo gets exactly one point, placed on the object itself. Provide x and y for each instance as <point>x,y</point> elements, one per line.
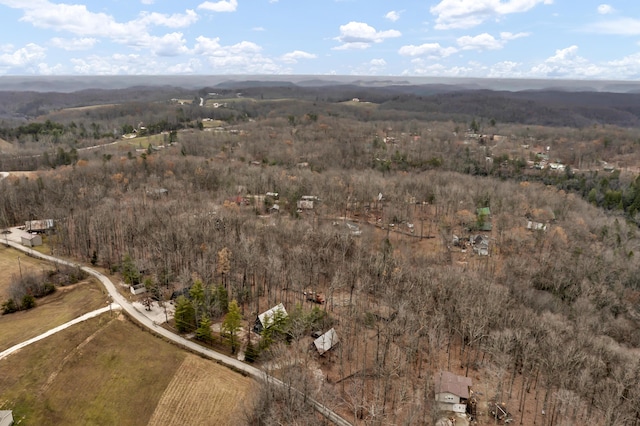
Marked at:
<point>76,83</point>
<point>530,102</point>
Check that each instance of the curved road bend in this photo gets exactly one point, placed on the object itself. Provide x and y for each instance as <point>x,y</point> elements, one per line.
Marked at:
<point>181,341</point>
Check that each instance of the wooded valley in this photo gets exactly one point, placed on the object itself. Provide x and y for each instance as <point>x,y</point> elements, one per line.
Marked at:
<point>471,232</point>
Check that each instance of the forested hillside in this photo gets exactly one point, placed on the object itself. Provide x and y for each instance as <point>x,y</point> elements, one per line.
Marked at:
<point>546,320</point>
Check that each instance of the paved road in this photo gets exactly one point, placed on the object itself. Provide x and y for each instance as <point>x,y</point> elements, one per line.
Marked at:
<point>140,318</point>
<point>55,330</point>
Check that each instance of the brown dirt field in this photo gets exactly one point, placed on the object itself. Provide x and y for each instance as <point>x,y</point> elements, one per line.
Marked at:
<point>203,393</point>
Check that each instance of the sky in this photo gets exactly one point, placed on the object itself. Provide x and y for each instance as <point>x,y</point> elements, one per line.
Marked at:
<point>548,39</point>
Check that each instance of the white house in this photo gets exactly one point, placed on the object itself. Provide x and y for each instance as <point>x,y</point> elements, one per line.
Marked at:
<point>452,391</point>
<point>265,319</point>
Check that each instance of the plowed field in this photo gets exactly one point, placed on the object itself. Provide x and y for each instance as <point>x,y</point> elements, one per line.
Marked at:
<point>202,393</point>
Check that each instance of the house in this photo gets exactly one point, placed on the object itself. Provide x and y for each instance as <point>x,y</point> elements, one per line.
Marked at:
<point>451,391</point>
<point>536,226</point>
<point>6,417</point>
<point>304,205</point>
<point>353,229</point>
<point>480,244</point>
<point>327,341</point>
<point>38,225</point>
<point>266,319</point>
<point>306,202</point>
<point>30,240</point>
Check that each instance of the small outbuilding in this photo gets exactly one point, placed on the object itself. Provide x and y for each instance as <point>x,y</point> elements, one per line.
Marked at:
<point>31,240</point>
<point>267,318</point>
<point>327,341</point>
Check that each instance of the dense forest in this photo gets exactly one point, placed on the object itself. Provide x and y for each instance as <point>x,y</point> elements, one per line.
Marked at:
<point>547,321</point>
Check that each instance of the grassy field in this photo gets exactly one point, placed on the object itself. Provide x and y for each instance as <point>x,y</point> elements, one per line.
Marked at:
<point>213,124</point>
<point>10,266</point>
<point>64,305</point>
<point>144,141</point>
<point>107,371</point>
<point>200,391</point>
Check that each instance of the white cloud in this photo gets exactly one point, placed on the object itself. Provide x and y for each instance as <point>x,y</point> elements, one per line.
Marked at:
<point>177,20</point>
<point>480,42</point>
<point>78,20</point>
<point>241,58</point>
<point>84,43</point>
<point>566,63</point>
<point>293,57</point>
<point>91,26</point>
<point>190,67</point>
<point>511,36</point>
<point>469,13</point>
<point>172,44</point>
<point>622,26</point>
<point>46,69</point>
<point>486,41</point>
<point>220,6</point>
<point>24,58</point>
<point>377,66</point>
<point>422,67</point>
<point>116,64</point>
<point>627,67</point>
<point>505,69</point>
<point>431,50</point>
<point>393,16</point>
<point>358,35</point>
<point>605,9</point>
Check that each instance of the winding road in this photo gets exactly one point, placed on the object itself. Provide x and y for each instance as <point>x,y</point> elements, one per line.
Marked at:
<point>143,320</point>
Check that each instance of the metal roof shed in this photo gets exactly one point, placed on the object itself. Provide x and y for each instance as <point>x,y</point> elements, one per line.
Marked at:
<point>327,341</point>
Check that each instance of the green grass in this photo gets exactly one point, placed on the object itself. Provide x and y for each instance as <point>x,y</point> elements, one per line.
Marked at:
<point>104,371</point>
<point>51,311</point>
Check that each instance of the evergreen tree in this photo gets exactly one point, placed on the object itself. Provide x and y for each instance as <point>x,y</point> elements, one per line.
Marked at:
<point>185,315</point>
<point>130,272</point>
<point>203,332</point>
<point>231,324</point>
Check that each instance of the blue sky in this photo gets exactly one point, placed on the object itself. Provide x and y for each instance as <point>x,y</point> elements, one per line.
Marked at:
<point>568,39</point>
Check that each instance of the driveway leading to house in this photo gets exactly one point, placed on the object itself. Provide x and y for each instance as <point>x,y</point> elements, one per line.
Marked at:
<point>139,317</point>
